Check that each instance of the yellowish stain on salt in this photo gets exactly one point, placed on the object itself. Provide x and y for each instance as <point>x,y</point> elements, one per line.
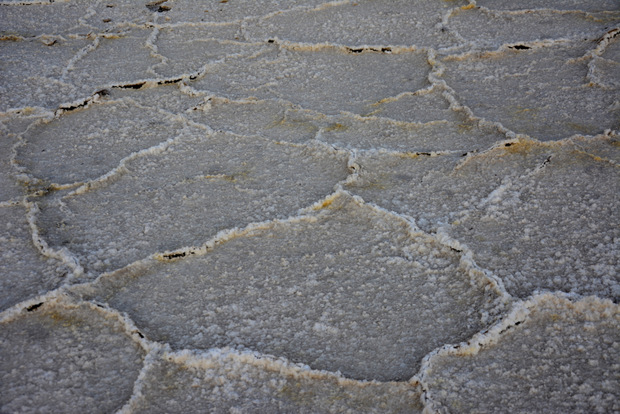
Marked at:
<point>326,203</point>
<point>336,128</point>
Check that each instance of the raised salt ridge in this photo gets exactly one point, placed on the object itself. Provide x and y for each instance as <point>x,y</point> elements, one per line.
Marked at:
<point>309,206</point>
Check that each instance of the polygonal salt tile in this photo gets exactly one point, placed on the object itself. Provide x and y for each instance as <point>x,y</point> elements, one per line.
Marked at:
<point>425,106</point>
<point>347,289</point>
<point>63,357</point>
<point>606,147</point>
<point>539,216</point>
<point>516,84</point>
<point>224,381</point>
<point>488,29</point>
<point>456,134</point>
<point>555,228</point>
<point>605,65</point>
<point>275,120</point>
<point>285,122</point>
<point>183,194</point>
<point>86,143</point>
<point>120,57</point>
<point>218,11</point>
<point>434,190</point>
<point>70,18</point>
<point>32,70</point>
<point>172,98</point>
<point>24,271</point>
<point>322,78</point>
<point>551,355</point>
<point>187,49</point>
<point>103,16</point>
<point>44,18</point>
<point>588,5</point>
<point>362,23</point>
<point>9,187</point>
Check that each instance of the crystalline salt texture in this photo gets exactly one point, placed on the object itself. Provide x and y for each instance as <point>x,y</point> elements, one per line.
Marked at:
<point>185,11</point>
<point>590,6</point>
<point>279,121</point>
<point>539,216</point>
<point>323,78</point>
<point>59,357</point>
<point>563,357</point>
<point>605,66</point>
<point>185,194</point>
<point>285,122</point>
<point>25,272</point>
<point>86,143</point>
<point>490,29</point>
<point>606,147</point>
<point>459,134</point>
<point>424,106</point>
<point>433,190</point>
<point>542,92</point>
<point>555,228</point>
<point>349,289</point>
<point>120,57</point>
<point>187,49</point>
<point>32,69</point>
<point>54,18</point>
<point>239,382</point>
<point>9,188</point>
<point>172,99</point>
<point>397,23</point>
<point>69,17</point>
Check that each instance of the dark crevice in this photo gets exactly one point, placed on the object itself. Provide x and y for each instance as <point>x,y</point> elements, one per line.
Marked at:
<point>169,81</point>
<point>456,250</point>
<point>157,6</point>
<point>131,85</point>
<point>174,255</point>
<point>34,307</point>
<point>545,162</point>
<point>519,47</point>
<point>369,49</point>
<point>63,108</point>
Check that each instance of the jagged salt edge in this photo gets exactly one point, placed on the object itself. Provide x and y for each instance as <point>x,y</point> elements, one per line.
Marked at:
<point>245,20</point>
<point>121,168</point>
<point>597,53</point>
<point>63,254</point>
<point>206,359</point>
<point>449,94</point>
<point>62,297</point>
<point>520,311</point>
<point>466,256</point>
<point>79,56</point>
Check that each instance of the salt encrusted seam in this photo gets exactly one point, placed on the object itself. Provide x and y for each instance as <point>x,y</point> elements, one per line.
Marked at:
<point>63,254</point>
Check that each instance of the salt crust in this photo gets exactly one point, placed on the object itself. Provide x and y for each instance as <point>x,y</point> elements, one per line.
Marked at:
<point>512,189</point>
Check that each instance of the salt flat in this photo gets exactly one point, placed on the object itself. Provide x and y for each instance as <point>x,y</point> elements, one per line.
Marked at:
<point>309,206</point>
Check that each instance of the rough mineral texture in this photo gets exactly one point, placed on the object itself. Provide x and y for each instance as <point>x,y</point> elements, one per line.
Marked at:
<point>238,206</point>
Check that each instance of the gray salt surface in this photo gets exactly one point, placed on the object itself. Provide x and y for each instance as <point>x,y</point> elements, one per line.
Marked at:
<point>348,289</point>
<point>242,382</point>
<point>309,206</point>
<point>562,355</point>
<point>64,357</point>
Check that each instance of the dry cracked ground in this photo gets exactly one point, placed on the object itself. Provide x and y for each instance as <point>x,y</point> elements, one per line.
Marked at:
<point>309,206</point>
